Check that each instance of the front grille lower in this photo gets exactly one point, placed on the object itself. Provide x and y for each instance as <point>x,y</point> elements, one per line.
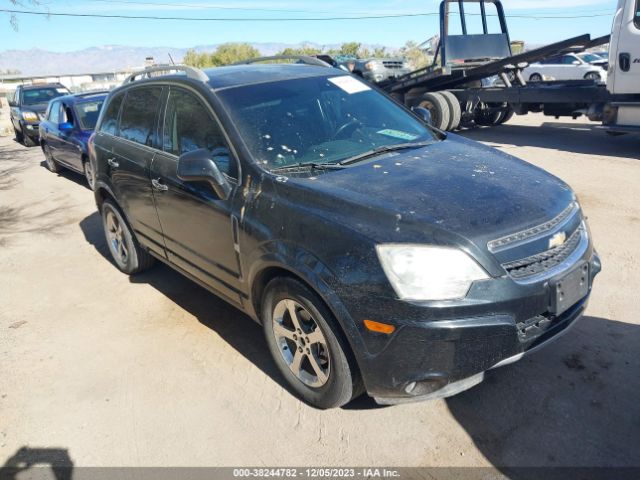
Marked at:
<point>392,64</point>
<point>541,262</point>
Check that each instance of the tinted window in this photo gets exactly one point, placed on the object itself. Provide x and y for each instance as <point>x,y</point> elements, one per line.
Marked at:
<point>188,126</point>
<point>87,113</point>
<point>66,115</point>
<point>42,95</point>
<point>319,119</point>
<point>636,19</point>
<point>110,120</point>
<point>139,115</point>
<point>551,61</point>
<point>54,112</point>
<point>569,59</point>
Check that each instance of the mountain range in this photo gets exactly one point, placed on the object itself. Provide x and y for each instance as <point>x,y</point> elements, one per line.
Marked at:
<point>107,58</point>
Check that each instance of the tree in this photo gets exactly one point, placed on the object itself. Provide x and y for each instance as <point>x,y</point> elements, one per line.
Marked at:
<point>225,54</point>
<point>415,56</point>
<point>305,50</point>
<point>350,48</point>
<point>13,20</point>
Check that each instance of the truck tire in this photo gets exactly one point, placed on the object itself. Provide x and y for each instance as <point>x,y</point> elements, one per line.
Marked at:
<point>439,109</point>
<point>506,115</point>
<point>454,109</point>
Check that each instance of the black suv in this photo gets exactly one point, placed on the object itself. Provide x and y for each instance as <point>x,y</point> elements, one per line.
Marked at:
<point>28,105</point>
<point>378,254</point>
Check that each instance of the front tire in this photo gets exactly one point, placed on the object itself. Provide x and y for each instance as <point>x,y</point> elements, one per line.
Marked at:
<point>535,77</point>
<point>28,141</point>
<point>89,174</point>
<point>19,135</point>
<point>52,165</point>
<point>595,76</point>
<point>307,345</point>
<point>128,256</point>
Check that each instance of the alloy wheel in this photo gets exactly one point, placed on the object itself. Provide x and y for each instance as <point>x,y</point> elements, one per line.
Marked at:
<point>116,238</point>
<point>48,158</point>
<point>301,343</point>
<point>89,173</point>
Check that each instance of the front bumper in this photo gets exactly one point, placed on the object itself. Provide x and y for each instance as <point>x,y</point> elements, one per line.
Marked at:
<point>435,358</point>
<point>30,128</point>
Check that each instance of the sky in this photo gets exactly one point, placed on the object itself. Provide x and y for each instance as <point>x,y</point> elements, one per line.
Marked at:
<point>59,33</point>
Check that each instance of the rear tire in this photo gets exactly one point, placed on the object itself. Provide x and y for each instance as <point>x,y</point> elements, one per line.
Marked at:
<point>127,254</point>
<point>454,109</point>
<point>506,115</point>
<point>307,345</point>
<point>439,109</point>
<point>89,173</point>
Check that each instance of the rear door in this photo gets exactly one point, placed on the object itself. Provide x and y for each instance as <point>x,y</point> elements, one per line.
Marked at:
<point>49,129</point>
<point>133,149</point>
<point>70,153</point>
<point>198,226</point>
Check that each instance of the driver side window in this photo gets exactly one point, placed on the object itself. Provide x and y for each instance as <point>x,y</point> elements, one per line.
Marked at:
<point>189,126</point>
<point>54,113</point>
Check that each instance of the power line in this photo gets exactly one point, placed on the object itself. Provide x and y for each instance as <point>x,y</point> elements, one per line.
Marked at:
<point>262,19</point>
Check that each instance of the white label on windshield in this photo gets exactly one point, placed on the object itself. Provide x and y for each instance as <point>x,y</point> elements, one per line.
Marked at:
<point>62,90</point>
<point>349,84</point>
<point>397,134</point>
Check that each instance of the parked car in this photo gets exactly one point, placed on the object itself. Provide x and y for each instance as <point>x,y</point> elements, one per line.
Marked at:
<point>594,59</point>
<point>378,254</point>
<point>65,131</point>
<point>28,105</point>
<point>378,70</point>
<point>565,67</point>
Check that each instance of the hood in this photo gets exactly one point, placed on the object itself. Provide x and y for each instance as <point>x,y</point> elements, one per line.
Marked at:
<point>36,107</point>
<point>456,186</point>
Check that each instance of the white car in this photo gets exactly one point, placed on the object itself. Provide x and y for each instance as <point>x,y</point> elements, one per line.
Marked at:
<point>564,67</point>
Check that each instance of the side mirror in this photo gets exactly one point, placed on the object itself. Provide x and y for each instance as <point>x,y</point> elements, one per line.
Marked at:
<point>576,62</point>
<point>197,166</point>
<point>65,127</point>
<point>422,113</point>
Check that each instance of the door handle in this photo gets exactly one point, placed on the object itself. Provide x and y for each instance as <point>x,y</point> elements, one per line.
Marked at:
<point>624,59</point>
<point>161,187</point>
<point>112,163</point>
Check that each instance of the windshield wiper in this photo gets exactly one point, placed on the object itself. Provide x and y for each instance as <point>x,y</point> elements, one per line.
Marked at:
<point>311,165</point>
<point>382,149</point>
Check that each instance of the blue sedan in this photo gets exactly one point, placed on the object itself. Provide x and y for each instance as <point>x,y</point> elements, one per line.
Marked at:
<point>65,131</point>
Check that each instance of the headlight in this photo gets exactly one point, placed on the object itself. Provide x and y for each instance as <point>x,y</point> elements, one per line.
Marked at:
<point>370,65</point>
<point>30,116</point>
<point>422,272</point>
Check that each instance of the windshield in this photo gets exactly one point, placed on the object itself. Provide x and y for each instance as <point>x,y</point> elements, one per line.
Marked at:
<point>88,113</point>
<point>590,57</point>
<point>318,120</point>
<point>42,95</point>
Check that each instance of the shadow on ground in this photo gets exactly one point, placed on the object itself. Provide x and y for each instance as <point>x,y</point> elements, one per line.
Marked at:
<point>569,137</point>
<point>236,328</point>
<point>23,463</point>
<point>574,403</point>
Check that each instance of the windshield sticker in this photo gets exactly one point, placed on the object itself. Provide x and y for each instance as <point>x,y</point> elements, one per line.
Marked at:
<point>349,84</point>
<point>397,134</point>
<point>62,90</point>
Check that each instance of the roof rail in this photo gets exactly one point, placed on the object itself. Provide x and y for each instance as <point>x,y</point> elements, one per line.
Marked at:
<point>301,58</point>
<point>191,72</point>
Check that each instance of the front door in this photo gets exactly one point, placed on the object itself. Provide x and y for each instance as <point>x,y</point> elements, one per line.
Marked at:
<point>624,52</point>
<point>197,225</point>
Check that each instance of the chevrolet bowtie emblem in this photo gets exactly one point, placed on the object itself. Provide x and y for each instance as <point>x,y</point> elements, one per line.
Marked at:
<point>557,239</point>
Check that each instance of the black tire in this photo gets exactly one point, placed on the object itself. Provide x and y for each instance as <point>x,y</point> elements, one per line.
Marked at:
<point>343,381</point>
<point>535,77</point>
<point>455,112</point>
<point>89,173</point>
<point>49,161</point>
<point>595,76</point>
<point>439,109</point>
<point>28,141</point>
<point>121,240</point>
<point>487,117</point>
<point>19,135</point>
<point>506,115</point>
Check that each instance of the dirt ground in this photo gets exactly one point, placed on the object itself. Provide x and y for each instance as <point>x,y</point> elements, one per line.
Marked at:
<point>99,369</point>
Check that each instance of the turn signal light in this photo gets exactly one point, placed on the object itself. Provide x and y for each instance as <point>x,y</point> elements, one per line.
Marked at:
<point>379,327</point>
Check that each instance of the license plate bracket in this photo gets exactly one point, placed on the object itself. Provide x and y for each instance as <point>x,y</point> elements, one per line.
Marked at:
<point>569,289</point>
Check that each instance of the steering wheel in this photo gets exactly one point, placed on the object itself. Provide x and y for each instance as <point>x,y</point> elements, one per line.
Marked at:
<point>348,127</point>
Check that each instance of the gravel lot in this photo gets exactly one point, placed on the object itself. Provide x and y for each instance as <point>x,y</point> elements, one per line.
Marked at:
<point>98,369</point>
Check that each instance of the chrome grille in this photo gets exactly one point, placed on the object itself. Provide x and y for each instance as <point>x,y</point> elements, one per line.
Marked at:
<point>393,64</point>
<point>530,233</point>
<point>542,262</point>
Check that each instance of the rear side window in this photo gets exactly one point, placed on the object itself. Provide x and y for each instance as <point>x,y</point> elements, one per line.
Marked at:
<point>110,120</point>
<point>139,115</point>
<point>189,126</point>
<point>54,112</point>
